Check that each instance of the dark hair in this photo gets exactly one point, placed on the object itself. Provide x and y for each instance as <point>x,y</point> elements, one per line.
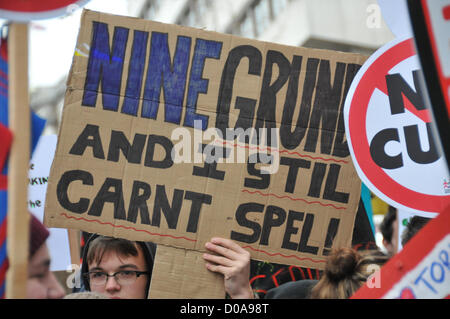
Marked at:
<point>102,245</point>
<point>345,272</point>
<point>412,228</point>
<point>386,224</point>
<point>97,246</point>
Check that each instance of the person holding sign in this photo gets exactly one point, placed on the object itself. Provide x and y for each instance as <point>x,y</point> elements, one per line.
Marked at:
<point>41,282</point>
<point>117,268</point>
<point>232,261</point>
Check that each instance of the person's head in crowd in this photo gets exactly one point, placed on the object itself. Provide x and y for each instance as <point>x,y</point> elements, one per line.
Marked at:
<point>41,282</point>
<point>389,230</point>
<point>415,224</point>
<point>118,268</point>
<point>346,271</point>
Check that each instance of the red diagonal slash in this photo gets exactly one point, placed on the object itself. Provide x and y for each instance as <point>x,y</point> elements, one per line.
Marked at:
<point>423,115</point>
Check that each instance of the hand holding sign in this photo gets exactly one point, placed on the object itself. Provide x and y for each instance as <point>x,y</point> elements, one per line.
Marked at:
<point>233,262</point>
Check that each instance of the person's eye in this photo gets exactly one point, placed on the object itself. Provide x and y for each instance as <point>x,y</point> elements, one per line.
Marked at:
<point>97,275</point>
<point>126,273</point>
<point>39,276</point>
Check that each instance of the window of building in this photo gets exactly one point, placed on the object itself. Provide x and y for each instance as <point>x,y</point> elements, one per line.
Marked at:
<point>150,9</point>
<point>277,6</point>
<point>247,26</point>
<point>194,13</point>
<point>202,7</point>
<point>257,17</point>
<point>262,16</point>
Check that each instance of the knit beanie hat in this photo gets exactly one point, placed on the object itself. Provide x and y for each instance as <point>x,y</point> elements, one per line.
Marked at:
<point>38,234</point>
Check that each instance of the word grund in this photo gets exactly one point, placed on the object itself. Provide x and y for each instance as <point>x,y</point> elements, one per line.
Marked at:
<point>320,106</point>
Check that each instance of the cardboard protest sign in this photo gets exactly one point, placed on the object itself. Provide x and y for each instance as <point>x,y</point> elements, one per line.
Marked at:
<point>162,139</point>
<point>420,271</point>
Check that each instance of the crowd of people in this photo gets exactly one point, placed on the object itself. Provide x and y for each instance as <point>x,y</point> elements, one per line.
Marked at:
<point>119,268</point>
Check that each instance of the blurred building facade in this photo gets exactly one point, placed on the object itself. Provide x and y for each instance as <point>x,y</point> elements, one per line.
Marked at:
<point>342,25</point>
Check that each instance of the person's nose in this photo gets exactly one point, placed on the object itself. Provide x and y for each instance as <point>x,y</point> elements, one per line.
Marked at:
<point>55,290</point>
<point>112,284</point>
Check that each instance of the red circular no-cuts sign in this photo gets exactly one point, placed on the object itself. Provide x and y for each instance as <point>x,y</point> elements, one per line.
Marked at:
<point>390,132</point>
<point>27,10</point>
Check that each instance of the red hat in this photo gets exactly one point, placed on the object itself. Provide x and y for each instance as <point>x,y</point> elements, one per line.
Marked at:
<point>38,234</point>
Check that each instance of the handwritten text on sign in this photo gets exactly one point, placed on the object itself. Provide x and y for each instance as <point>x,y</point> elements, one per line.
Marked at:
<point>175,135</point>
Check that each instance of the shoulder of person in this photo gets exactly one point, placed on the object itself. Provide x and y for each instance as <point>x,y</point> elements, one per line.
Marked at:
<point>292,290</point>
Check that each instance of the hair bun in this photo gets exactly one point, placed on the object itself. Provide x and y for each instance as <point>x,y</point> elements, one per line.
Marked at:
<point>341,263</point>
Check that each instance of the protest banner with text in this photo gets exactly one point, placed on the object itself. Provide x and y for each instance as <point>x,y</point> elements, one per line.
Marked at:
<point>175,135</point>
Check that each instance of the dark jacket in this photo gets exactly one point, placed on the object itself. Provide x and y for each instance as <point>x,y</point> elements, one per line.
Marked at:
<point>292,290</point>
<point>148,248</point>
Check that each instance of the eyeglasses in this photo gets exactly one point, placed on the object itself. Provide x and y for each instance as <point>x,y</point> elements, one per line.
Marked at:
<point>123,277</point>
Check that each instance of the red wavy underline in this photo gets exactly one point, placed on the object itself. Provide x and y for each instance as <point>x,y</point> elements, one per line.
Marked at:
<point>291,198</point>
<point>285,256</point>
<point>126,227</point>
<point>283,151</point>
